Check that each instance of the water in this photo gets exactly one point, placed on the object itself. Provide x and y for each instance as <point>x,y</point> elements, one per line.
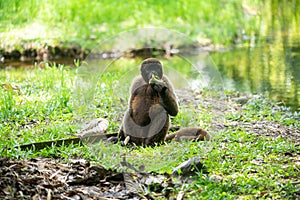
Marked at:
<point>269,65</point>
<point>271,68</point>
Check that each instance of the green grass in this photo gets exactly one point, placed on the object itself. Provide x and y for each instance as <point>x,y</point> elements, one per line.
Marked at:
<point>250,166</point>
<point>51,103</point>
<point>238,164</point>
<point>88,22</point>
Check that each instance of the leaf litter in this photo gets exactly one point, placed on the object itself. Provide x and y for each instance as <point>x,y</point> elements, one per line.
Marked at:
<point>45,178</point>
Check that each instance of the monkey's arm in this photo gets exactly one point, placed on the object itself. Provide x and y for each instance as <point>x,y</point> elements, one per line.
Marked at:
<point>168,97</point>
<point>136,83</point>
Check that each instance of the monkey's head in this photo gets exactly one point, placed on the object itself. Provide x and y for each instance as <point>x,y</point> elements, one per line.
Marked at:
<point>151,67</point>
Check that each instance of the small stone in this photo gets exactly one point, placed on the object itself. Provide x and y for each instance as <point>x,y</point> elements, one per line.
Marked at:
<point>188,168</point>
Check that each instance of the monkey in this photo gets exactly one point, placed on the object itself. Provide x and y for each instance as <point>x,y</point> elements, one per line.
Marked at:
<point>152,100</point>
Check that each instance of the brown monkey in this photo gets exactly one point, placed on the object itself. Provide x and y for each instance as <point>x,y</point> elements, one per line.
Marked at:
<point>151,102</point>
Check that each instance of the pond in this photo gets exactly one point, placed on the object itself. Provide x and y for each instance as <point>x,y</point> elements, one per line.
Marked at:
<point>272,68</point>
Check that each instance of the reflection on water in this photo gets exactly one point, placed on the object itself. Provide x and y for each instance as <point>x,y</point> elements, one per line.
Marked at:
<point>270,65</point>
<point>271,68</point>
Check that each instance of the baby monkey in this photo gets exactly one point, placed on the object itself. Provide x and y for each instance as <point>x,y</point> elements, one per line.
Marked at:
<point>152,100</point>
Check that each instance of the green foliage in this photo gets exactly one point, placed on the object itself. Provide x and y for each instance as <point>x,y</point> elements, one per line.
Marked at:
<point>84,21</point>
<point>38,105</point>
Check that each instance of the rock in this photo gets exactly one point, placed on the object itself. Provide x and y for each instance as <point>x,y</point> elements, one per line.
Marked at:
<point>94,127</point>
<point>241,100</point>
<point>188,168</point>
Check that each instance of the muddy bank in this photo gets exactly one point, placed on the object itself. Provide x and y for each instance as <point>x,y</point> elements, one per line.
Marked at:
<point>31,54</point>
<point>44,53</point>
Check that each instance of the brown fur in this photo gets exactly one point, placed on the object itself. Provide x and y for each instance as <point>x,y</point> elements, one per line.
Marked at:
<point>146,121</point>
<point>189,134</point>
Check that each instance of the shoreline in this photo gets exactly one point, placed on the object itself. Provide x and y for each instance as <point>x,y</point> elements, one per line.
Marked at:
<point>52,53</point>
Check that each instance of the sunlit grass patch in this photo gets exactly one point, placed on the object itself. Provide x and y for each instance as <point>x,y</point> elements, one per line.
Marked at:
<point>86,22</point>
<point>161,158</point>
<point>249,166</point>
